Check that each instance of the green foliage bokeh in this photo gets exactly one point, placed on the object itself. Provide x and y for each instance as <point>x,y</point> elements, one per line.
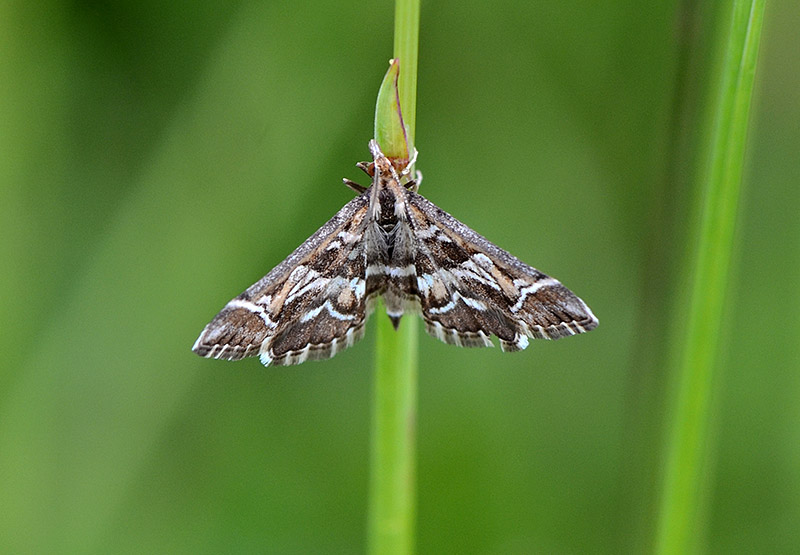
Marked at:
<point>159,158</point>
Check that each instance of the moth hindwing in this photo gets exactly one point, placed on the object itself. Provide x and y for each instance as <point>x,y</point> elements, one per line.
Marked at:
<point>390,241</point>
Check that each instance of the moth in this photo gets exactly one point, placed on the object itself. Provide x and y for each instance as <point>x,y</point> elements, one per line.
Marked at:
<point>390,241</point>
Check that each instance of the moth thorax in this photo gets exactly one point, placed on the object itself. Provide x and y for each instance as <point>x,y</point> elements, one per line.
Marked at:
<point>387,218</point>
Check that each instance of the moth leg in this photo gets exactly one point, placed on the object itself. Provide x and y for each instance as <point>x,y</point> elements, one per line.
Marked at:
<point>367,167</point>
<point>407,170</point>
<point>413,184</point>
<point>354,186</point>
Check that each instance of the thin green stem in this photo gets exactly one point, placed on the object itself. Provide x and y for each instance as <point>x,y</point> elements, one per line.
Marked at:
<point>406,49</point>
<point>393,479</point>
<point>689,442</point>
<point>392,502</point>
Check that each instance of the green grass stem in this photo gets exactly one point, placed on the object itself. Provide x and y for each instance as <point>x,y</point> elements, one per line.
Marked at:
<point>392,501</point>
<point>681,519</point>
<point>406,49</point>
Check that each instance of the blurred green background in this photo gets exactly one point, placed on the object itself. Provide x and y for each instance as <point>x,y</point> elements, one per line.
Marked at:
<point>157,158</point>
